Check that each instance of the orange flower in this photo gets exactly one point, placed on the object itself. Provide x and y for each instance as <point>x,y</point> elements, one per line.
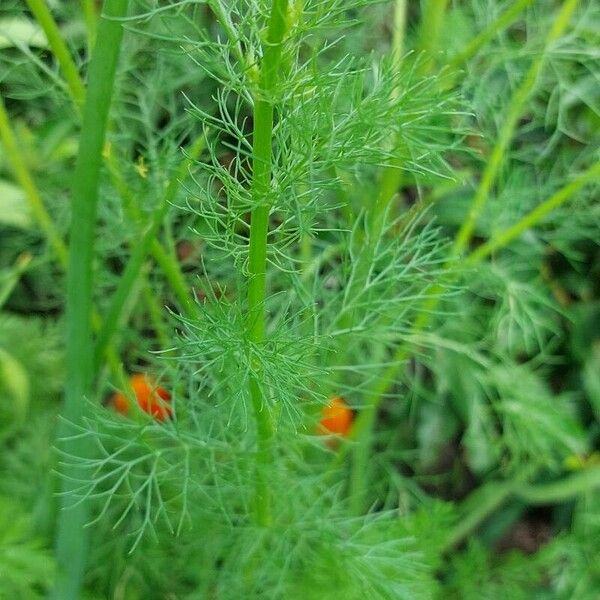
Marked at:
<point>150,398</point>
<point>337,417</point>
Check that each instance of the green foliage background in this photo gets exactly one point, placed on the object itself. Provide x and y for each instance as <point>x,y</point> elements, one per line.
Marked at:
<point>473,471</point>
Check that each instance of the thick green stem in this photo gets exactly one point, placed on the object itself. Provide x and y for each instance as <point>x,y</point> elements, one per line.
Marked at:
<point>432,23</point>
<point>257,254</point>
<point>44,17</point>
<point>72,536</point>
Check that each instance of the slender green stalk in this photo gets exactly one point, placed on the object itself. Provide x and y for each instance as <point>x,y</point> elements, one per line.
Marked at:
<point>149,244</point>
<point>10,281</point>
<point>142,248</point>
<point>46,21</point>
<point>562,490</point>
<point>71,541</point>
<point>257,253</point>
<point>515,110</point>
<point>222,14</point>
<point>90,17</point>
<point>531,219</point>
<point>363,428</point>
<point>391,176</point>
<point>399,33</point>
<point>533,494</point>
<point>432,23</point>
<point>18,164</point>
<point>499,241</point>
<point>77,91</point>
<point>156,313</point>
<point>503,21</point>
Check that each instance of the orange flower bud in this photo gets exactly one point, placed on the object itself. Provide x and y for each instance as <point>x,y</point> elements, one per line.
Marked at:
<point>337,417</point>
<point>150,398</point>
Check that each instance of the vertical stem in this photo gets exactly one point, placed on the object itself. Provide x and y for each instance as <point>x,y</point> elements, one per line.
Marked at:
<point>432,22</point>
<point>44,17</point>
<point>71,541</point>
<point>391,176</point>
<point>259,227</point>
<point>90,17</point>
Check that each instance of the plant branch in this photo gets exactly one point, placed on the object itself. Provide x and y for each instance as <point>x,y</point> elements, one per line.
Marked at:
<point>46,21</point>
<point>503,21</point>
<point>499,493</point>
<point>143,247</point>
<point>531,219</point>
<point>19,167</point>
<point>259,227</point>
<point>515,109</point>
<point>71,540</point>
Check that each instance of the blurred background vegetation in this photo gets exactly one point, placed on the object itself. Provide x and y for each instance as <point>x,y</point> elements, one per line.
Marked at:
<point>486,444</point>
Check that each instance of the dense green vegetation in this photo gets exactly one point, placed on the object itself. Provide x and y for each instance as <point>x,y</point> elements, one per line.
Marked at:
<point>226,225</point>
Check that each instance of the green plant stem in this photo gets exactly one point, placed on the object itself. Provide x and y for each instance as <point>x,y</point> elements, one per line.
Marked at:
<point>222,14</point>
<point>34,198</point>
<point>71,539</point>
<point>17,162</point>
<point>364,423</point>
<point>531,219</point>
<point>430,29</point>
<point>46,21</point>
<point>164,259</point>
<point>8,282</point>
<point>155,312</point>
<point>90,16</point>
<point>532,494</point>
<point>391,177</point>
<point>172,271</point>
<point>257,253</point>
<point>562,490</point>
<point>515,109</point>
<point>503,21</point>
<point>363,428</point>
